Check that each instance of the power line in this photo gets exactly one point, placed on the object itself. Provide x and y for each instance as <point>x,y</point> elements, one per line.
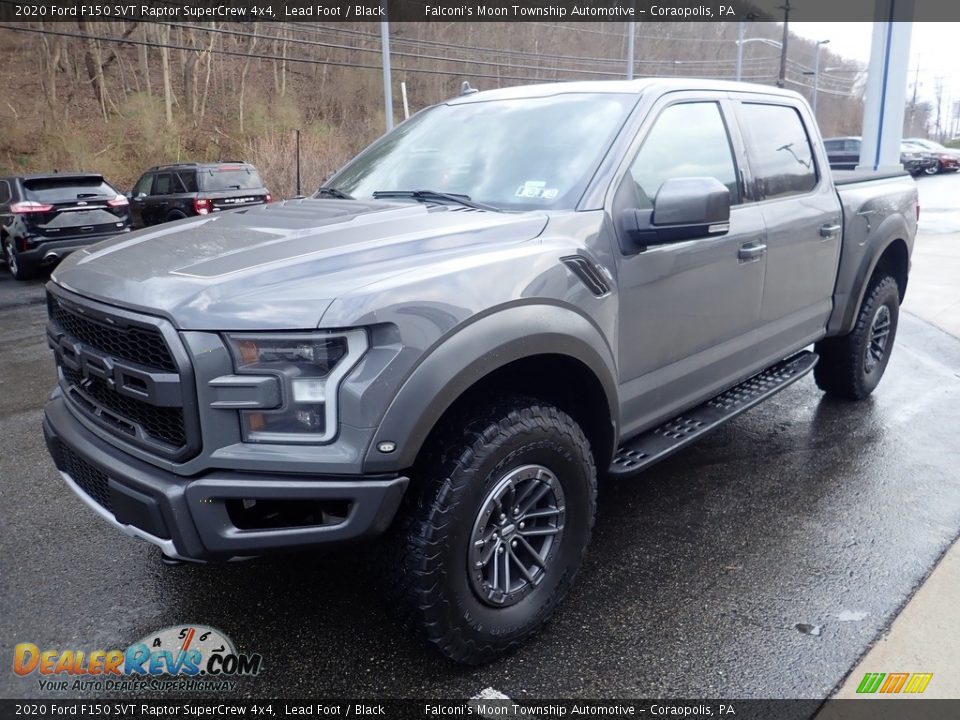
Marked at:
<point>334,63</point>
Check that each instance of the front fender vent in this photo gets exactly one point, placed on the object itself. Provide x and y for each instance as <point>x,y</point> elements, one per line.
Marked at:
<point>589,274</point>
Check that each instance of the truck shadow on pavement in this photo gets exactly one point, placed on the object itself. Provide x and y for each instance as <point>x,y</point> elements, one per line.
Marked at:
<point>698,576</point>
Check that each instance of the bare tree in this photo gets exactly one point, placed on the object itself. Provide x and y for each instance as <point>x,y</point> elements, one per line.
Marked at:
<point>246,68</point>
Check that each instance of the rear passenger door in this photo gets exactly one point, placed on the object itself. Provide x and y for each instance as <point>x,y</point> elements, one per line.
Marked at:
<point>802,215</point>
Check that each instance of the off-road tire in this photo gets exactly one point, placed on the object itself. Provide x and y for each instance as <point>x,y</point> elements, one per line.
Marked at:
<point>845,370</point>
<point>428,548</point>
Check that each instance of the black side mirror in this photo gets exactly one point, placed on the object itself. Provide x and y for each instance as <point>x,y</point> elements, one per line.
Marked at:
<point>684,209</point>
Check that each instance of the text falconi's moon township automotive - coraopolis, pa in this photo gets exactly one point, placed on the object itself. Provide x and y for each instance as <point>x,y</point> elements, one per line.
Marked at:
<point>558,11</point>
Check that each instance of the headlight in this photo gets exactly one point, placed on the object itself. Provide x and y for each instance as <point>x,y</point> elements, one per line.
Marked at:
<point>311,367</point>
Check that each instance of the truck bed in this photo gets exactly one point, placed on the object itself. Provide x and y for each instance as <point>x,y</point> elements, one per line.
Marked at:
<point>849,177</point>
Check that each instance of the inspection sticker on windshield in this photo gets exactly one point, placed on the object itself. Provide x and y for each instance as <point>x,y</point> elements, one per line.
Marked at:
<point>531,189</point>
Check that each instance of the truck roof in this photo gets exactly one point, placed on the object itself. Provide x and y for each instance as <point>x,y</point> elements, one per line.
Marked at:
<point>629,87</point>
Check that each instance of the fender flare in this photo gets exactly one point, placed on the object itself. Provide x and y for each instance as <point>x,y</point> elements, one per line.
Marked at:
<point>846,302</point>
<point>475,350</point>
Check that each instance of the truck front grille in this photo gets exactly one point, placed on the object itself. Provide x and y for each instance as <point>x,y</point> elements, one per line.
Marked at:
<point>140,345</point>
<point>161,423</point>
<point>118,370</point>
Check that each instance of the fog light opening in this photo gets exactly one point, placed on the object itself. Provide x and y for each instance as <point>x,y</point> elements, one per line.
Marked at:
<point>258,514</point>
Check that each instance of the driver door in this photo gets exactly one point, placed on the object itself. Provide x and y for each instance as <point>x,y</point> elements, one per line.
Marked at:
<point>138,198</point>
<point>688,310</point>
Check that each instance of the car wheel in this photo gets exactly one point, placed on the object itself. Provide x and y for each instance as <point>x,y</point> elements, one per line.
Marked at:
<point>851,366</point>
<point>17,267</point>
<point>495,530</point>
<point>175,215</point>
<point>933,169</point>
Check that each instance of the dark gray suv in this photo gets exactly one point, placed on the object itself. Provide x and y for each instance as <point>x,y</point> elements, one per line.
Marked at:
<point>173,192</point>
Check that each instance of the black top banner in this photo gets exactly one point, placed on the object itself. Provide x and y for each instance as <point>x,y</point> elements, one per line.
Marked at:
<point>445,709</point>
<point>475,11</point>
<point>138,709</point>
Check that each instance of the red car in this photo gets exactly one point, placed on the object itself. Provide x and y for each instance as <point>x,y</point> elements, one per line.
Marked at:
<point>948,159</point>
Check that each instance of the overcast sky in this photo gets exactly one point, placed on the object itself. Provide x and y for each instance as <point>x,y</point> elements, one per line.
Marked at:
<point>934,49</point>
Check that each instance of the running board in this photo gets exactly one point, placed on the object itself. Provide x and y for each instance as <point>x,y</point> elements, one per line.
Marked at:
<point>654,445</point>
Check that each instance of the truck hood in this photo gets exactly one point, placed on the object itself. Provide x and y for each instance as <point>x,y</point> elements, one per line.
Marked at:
<point>280,265</point>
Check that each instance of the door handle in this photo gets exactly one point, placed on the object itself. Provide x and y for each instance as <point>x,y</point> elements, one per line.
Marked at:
<point>829,230</point>
<point>751,251</point>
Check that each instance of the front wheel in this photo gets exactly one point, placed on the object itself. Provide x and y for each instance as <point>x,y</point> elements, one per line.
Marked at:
<point>932,169</point>
<point>497,530</point>
<point>851,366</point>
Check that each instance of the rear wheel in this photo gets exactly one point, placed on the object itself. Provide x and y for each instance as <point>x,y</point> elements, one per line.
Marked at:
<point>175,215</point>
<point>851,366</point>
<point>490,542</point>
<point>20,269</point>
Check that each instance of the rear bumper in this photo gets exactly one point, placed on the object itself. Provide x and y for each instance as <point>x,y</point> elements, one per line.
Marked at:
<point>59,249</point>
<point>197,518</point>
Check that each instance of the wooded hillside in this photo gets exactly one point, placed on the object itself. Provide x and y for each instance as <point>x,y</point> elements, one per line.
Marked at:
<point>120,97</point>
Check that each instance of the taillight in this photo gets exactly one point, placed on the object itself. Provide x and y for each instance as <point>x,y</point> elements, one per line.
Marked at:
<point>269,198</point>
<point>202,206</point>
<point>30,206</point>
<point>118,201</point>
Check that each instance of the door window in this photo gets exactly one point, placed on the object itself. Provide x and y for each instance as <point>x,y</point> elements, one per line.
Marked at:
<point>162,184</point>
<point>4,192</point>
<point>143,186</point>
<point>687,140</point>
<point>779,150</point>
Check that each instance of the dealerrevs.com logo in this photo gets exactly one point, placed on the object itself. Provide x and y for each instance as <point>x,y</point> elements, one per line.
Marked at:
<point>183,657</point>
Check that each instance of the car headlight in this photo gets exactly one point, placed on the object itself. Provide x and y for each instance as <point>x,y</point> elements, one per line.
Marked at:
<point>310,367</point>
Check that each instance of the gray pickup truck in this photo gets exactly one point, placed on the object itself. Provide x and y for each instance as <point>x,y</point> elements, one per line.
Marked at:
<point>510,294</point>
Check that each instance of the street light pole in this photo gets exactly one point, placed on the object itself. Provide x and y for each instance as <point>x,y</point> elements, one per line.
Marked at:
<point>630,28</point>
<point>741,28</point>
<point>816,75</point>
<point>387,79</point>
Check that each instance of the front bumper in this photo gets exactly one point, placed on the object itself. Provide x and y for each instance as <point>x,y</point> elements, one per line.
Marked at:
<point>201,518</point>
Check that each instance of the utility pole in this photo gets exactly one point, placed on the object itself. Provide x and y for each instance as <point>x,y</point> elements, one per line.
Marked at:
<point>816,76</point>
<point>299,194</point>
<point>630,33</point>
<point>782,78</point>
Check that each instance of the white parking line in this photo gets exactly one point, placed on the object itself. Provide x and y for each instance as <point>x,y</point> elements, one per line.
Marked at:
<point>491,703</point>
<point>490,694</point>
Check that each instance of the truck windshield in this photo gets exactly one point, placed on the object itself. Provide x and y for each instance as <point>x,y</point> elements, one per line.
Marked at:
<point>515,154</point>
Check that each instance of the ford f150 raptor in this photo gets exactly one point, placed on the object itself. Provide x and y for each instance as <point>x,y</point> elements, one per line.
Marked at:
<point>512,292</point>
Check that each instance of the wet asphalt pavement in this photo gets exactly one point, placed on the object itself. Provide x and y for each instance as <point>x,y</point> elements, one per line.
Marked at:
<point>802,511</point>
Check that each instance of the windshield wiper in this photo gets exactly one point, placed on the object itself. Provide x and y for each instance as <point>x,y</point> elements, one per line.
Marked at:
<point>434,195</point>
<point>334,193</point>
